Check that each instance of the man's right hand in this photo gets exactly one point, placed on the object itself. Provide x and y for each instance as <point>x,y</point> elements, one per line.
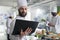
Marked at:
<point>26,32</point>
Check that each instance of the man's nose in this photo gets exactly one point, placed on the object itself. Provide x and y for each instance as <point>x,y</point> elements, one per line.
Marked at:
<point>24,11</point>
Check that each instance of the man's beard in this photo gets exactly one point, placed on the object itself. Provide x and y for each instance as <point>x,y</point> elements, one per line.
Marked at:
<point>22,14</point>
<point>54,14</point>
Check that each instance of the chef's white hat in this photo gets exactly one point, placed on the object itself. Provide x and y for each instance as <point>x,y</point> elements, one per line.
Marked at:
<point>54,9</point>
<point>21,3</point>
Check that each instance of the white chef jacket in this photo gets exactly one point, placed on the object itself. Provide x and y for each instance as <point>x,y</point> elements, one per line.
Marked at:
<point>8,25</point>
<point>55,20</point>
<point>57,26</point>
<point>17,37</point>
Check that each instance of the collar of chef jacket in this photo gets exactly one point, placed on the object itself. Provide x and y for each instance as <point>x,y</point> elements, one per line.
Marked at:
<point>23,18</point>
<point>27,17</point>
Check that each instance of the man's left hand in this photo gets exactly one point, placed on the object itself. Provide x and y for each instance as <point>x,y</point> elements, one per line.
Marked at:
<point>26,32</point>
<point>51,24</point>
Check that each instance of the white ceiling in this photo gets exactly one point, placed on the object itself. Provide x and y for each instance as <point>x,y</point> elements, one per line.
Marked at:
<point>58,2</point>
<point>8,2</point>
<point>14,2</point>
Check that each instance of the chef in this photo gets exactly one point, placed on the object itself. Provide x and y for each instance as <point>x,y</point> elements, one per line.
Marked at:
<point>23,15</point>
<point>54,21</point>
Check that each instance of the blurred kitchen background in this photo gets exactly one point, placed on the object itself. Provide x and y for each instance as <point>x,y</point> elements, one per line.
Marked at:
<point>38,9</point>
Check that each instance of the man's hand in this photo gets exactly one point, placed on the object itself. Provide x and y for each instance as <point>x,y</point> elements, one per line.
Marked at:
<point>51,24</point>
<point>26,32</point>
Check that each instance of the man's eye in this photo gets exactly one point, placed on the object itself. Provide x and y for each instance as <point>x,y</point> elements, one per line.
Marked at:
<point>25,9</point>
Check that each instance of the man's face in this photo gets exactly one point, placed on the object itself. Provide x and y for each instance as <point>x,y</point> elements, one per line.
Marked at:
<point>53,13</point>
<point>22,11</point>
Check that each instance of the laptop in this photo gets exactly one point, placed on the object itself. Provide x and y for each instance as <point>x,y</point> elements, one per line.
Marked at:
<point>24,24</point>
